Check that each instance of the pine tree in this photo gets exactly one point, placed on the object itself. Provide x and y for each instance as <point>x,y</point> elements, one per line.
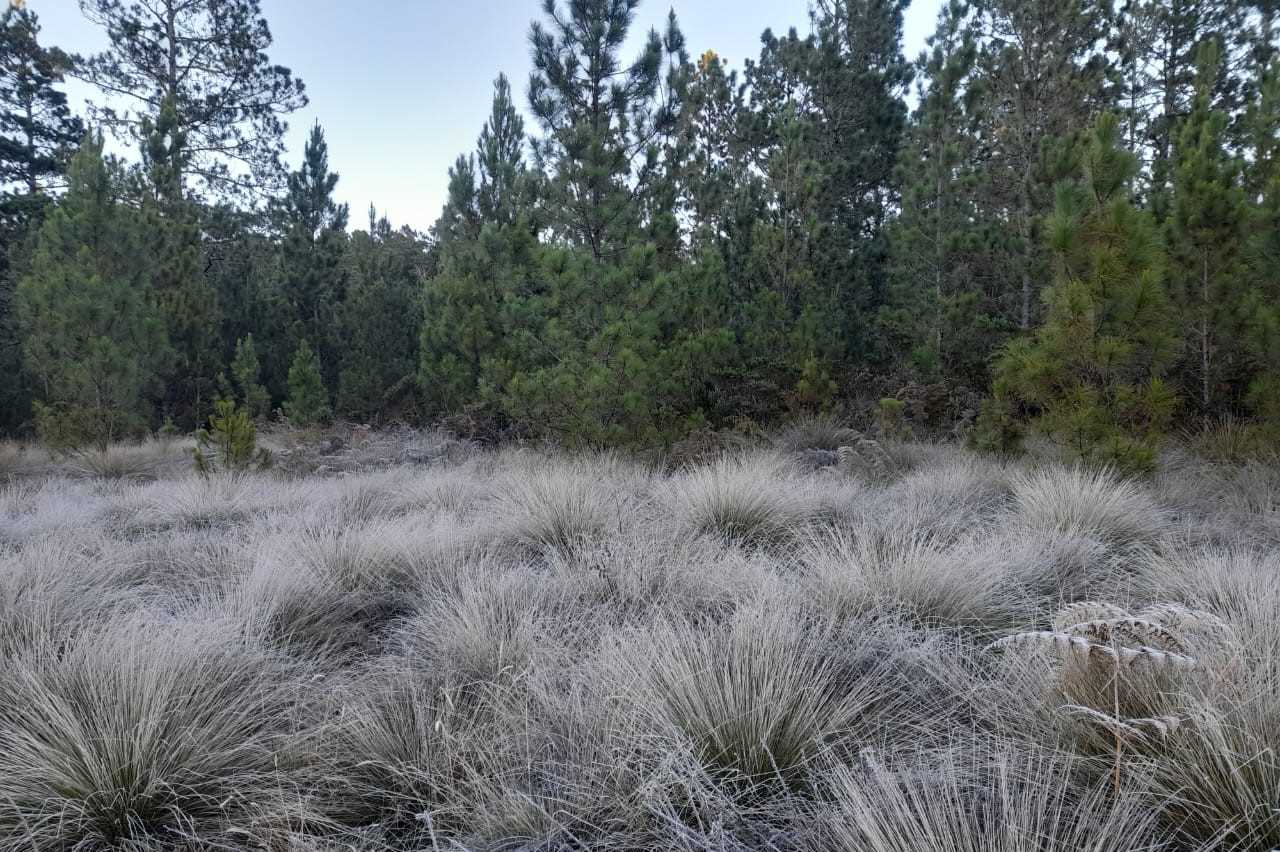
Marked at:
<point>314,274</point>
<point>1160,67</point>
<point>243,265</point>
<point>715,174</point>
<point>598,119</point>
<point>460,219</point>
<point>493,185</point>
<point>739,321</point>
<point>188,303</point>
<point>381,321</point>
<point>38,134</point>
<point>1262,132</point>
<point>1261,309</point>
<point>1044,75</point>
<point>1206,229</point>
<point>208,60</point>
<point>247,372</point>
<point>502,190</point>
<point>860,80</point>
<point>827,126</point>
<point>486,243</point>
<point>229,444</point>
<point>483,286</point>
<point>308,402</point>
<point>593,353</point>
<point>942,315</point>
<point>92,339</point>
<point>1092,375</point>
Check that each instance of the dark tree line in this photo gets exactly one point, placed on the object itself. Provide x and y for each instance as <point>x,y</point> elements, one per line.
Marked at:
<point>1074,229</point>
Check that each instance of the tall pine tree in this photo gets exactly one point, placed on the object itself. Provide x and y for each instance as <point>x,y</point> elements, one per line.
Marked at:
<point>600,118</point>
<point>1045,76</point>
<point>38,134</point>
<point>1206,228</point>
<point>943,317</point>
<point>486,240</point>
<point>92,339</point>
<point>381,322</point>
<point>1092,374</point>
<point>187,302</point>
<point>314,273</point>
<point>207,60</point>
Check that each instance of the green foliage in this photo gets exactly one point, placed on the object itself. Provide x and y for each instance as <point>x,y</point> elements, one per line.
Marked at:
<point>207,63</point>
<point>816,389</point>
<point>187,303</point>
<point>1206,232</point>
<point>594,369</point>
<point>314,276</point>
<point>484,288</point>
<point>1160,67</point>
<point>679,246</point>
<point>943,319</point>
<point>1261,307</point>
<point>486,269</point>
<point>230,443</point>
<point>601,119</point>
<point>999,428</point>
<point>308,402</point>
<point>91,336</point>
<point>1092,375</point>
<point>38,134</point>
<point>381,321</point>
<point>246,371</point>
<point>891,418</point>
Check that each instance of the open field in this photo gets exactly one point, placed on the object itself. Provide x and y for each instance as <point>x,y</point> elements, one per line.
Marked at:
<point>784,647</point>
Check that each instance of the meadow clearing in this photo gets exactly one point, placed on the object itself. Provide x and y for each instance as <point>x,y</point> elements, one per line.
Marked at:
<point>784,646</point>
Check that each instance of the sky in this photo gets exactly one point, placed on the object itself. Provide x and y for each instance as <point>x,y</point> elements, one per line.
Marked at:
<point>402,87</point>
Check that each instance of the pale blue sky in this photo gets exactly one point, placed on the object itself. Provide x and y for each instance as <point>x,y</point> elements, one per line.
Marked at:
<point>403,86</point>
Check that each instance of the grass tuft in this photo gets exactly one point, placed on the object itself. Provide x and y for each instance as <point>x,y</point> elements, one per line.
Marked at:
<point>751,500</point>
<point>1079,499</point>
<point>134,735</point>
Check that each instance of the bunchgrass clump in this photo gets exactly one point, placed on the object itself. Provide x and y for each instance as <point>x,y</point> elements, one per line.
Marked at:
<point>135,735</point>
<point>992,799</point>
<point>1077,498</point>
<point>751,499</point>
<point>555,506</point>
<point>764,694</point>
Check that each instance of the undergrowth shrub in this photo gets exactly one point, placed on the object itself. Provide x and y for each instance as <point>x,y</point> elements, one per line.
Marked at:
<point>230,443</point>
<point>815,432</point>
<point>862,571</point>
<point>518,650</point>
<point>392,754</point>
<point>487,630</point>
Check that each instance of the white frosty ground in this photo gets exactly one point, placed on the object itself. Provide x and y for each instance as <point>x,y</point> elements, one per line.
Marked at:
<point>525,650</point>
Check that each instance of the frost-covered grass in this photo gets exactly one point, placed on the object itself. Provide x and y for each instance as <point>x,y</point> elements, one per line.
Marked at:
<point>474,650</point>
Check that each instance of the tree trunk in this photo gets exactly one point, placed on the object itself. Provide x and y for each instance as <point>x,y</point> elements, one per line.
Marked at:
<point>1024,228</point>
<point>1204,334</point>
